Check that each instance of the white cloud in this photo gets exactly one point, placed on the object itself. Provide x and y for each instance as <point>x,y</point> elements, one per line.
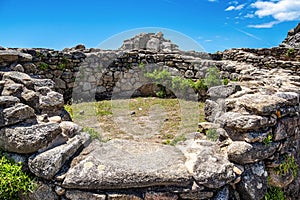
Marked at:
<point>280,10</point>
<point>265,25</point>
<point>230,8</point>
<point>212,0</point>
<point>233,3</point>
<point>206,41</point>
<point>249,16</point>
<point>239,7</point>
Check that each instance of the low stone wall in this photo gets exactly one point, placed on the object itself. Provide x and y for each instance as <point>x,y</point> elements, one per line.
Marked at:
<point>255,120</point>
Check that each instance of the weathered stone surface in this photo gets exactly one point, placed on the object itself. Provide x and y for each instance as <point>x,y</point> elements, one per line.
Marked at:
<point>261,104</point>
<point>286,127</point>
<point>80,195</point>
<point>234,120</point>
<point>243,152</point>
<point>18,77</point>
<point>207,164</point>
<point>69,129</point>
<point>223,91</point>
<point>48,163</point>
<point>114,196</point>
<point>253,185</point>
<point>123,164</point>
<point>8,101</point>
<point>28,139</point>
<point>222,194</point>
<point>43,191</point>
<point>15,114</point>
<point>197,195</point>
<point>160,196</point>
<point>52,103</point>
<point>280,180</point>
<point>12,56</point>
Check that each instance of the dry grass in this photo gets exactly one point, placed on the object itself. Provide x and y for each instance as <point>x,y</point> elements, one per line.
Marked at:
<point>151,119</point>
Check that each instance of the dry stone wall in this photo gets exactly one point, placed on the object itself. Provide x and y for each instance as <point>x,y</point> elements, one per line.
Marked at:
<point>255,118</point>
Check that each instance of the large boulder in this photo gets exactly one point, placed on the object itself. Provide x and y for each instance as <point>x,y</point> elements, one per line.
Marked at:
<point>28,139</point>
<point>127,164</point>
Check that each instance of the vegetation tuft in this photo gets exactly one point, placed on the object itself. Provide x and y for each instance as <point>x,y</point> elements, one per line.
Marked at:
<point>13,180</point>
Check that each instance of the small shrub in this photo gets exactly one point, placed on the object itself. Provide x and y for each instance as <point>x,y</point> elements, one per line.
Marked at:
<point>199,85</point>
<point>290,52</point>
<point>61,66</point>
<point>213,77</point>
<point>225,81</point>
<point>43,66</point>
<point>13,180</point>
<point>274,193</point>
<point>212,135</point>
<point>94,134</point>
<point>288,165</point>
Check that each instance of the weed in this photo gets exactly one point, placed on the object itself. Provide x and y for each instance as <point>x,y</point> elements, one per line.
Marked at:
<point>94,134</point>
<point>290,52</point>
<point>212,77</point>
<point>61,66</point>
<point>268,140</point>
<point>13,180</point>
<point>103,108</point>
<point>69,109</point>
<point>174,141</point>
<point>43,66</point>
<point>288,165</point>
<point>212,135</point>
<point>225,81</point>
<point>274,193</point>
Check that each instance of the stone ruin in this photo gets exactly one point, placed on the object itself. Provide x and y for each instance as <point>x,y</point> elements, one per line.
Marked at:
<point>256,117</point>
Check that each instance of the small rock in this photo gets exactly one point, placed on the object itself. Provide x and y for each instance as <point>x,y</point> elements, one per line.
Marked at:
<point>55,119</point>
<point>69,129</point>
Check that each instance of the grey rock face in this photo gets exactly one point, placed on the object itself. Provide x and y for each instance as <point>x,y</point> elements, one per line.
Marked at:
<point>79,195</point>
<point>223,91</point>
<point>28,139</point>
<point>8,101</point>
<point>43,191</point>
<point>243,152</point>
<point>12,56</point>
<point>207,164</point>
<point>15,114</point>
<point>127,164</point>
<point>48,163</point>
<point>253,185</point>
<point>293,38</point>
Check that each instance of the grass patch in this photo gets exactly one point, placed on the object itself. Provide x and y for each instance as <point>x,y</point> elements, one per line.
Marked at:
<point>274,193</point>
<point>288,165</point>
<point>165,115</point>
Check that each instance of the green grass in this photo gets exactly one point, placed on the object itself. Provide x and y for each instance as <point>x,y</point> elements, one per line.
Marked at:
<point>13,180</point>
<point>274,193</point>
<point>286,166</point>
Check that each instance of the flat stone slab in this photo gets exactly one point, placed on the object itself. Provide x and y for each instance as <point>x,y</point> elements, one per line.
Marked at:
<point>127,164</point>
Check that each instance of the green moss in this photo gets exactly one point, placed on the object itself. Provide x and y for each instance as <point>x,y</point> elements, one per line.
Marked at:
<point>13,180</point>
<point>274,193</point>
<point>61,66</point>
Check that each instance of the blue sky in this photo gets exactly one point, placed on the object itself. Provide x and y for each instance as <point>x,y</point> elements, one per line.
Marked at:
<point>213,24</point>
